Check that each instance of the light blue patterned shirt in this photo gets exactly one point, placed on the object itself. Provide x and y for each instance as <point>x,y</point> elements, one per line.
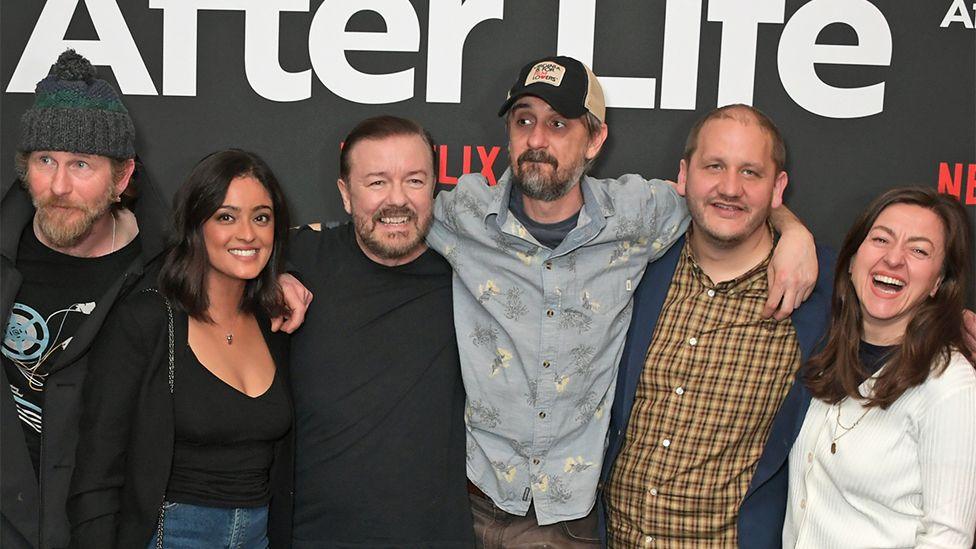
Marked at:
<point>541,331</point>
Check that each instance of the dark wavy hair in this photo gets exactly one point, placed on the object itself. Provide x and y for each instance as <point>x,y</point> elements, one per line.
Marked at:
<point>183,278</point>
<point>932,334</point>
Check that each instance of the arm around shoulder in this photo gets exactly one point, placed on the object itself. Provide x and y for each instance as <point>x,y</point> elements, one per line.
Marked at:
<point>664,210</point>
<point>793,269</point>
<point>468,197</point>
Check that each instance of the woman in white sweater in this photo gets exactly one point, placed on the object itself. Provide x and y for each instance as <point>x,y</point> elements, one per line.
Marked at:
<point>886,456</point>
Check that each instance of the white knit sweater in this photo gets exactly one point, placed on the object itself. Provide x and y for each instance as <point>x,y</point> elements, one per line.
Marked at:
<point>902,477</point>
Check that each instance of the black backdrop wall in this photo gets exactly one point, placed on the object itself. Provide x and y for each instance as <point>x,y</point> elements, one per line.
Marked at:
<point>869,95</point>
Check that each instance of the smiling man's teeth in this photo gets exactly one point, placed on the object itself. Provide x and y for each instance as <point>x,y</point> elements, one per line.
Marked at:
<point>393,220</point>
<point>889,280</point>
<point>245,253</point>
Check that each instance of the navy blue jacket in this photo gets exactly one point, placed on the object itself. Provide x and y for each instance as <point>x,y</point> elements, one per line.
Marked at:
<point>761,515</point>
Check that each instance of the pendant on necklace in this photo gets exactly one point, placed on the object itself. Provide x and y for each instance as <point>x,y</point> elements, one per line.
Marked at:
<point>833,447</point>
<point>229,338</point>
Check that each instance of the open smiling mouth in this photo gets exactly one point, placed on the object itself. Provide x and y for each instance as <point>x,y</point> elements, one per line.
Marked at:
<point>888,284</point>
<point>394,220</point>
<point>244,253</point>
<point>728,207</point>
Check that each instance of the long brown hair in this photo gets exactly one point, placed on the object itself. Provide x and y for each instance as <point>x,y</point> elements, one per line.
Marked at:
<point>936,329</point>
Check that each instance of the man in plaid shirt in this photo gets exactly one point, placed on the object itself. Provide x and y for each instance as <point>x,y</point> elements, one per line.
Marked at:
<point>706,407</point>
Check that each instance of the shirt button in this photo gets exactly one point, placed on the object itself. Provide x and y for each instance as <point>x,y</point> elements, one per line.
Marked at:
<point>542,415</point>
<point>666,442</point>
<point>548,265</point>
<point>550,312</point>
<point>809,457</point>
<point>652,491</point>
<point>535,461</point>
<point>679,390</point>
<point>545,363</point>
<point>803,504</point>
<point>711,293</point>
<point>693,341</point>
<point>648,540</point>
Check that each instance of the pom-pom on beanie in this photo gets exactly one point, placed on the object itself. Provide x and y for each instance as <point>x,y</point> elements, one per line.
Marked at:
<point>75,111</point>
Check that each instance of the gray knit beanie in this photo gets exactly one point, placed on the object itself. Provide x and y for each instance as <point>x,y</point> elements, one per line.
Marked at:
<point>74,111</point>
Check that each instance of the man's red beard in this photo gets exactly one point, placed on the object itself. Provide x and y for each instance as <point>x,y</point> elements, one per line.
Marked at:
<point>65,224</point>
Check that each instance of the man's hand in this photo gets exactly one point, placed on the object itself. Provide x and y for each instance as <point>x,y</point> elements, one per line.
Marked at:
<point>969,331</point>
<point>297,298</point>
<point>793,269</point>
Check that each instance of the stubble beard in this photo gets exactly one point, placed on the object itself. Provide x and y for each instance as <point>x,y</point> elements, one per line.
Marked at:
<point>726,240</point>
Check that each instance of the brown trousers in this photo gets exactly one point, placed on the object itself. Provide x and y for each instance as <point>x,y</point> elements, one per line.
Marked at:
<point>496,529</point>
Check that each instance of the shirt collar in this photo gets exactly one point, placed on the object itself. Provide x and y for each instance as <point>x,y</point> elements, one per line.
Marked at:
<point>726,285</point>
<point>596,205</point>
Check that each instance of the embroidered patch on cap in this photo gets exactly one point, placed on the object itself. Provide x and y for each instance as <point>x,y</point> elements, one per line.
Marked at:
<point>546,71</point>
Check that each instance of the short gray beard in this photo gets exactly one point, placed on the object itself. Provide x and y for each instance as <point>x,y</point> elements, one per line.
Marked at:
<point>537,186</point>
<point>386,249</point>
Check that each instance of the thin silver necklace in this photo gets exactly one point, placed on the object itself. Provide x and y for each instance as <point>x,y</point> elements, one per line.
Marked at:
<point>114,226</point>
<point>229,336</point>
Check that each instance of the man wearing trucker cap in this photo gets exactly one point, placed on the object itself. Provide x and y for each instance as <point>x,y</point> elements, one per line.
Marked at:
<point>545,264</point>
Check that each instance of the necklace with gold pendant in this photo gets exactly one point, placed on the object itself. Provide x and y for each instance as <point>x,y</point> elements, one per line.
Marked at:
<point>833,441</point>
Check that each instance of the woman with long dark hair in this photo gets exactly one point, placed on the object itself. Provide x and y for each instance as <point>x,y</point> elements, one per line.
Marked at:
<point>886,456</point>
<point>184,433</point>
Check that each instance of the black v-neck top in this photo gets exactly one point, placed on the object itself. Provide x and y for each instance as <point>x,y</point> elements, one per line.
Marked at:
<point>224,443</point>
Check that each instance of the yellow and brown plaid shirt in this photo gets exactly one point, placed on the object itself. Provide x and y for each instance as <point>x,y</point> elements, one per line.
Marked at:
<point>714,378</point>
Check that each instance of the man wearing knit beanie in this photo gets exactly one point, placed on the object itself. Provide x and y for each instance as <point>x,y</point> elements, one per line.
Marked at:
<point>74,241</point>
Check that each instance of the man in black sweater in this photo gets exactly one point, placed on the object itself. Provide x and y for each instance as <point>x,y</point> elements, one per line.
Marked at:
<point>380,441</point>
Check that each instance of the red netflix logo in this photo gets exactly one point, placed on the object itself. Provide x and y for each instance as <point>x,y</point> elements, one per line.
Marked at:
<point>951,181</point>
<point>487,155</point>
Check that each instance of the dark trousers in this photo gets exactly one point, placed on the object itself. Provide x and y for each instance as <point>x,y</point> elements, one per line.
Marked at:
<point>496,529</point>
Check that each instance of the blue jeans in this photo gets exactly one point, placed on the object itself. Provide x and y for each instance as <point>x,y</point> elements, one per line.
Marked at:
<point>188,526</point>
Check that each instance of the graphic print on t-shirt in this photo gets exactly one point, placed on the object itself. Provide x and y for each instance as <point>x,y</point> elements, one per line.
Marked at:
<point>31,342</point>
<point>56,297</point>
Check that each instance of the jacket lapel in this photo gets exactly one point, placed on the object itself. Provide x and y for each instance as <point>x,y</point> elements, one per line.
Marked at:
<point>648,301</point>
<point>810,322</point>
<point>86,332</point>
<point>10,286</point>
<point>19,496</point>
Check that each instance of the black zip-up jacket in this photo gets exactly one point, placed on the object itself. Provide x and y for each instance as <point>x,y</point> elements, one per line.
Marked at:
<point>32,511</point>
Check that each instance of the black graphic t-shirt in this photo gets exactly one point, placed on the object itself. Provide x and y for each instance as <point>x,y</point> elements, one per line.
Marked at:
<point>57,295</point>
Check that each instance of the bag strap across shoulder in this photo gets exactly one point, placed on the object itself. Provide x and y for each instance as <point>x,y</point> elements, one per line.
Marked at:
<point>169,376</point>
<point>169,330</point>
